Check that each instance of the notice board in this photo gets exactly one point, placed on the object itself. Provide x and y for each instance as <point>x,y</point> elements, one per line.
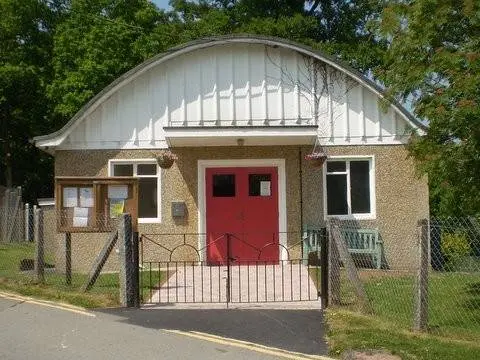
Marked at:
<point>93,204</point>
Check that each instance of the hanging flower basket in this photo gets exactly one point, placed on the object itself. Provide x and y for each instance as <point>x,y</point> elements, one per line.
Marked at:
<point>318,156</point>
<point>166,159</point>
<point>316,159</point>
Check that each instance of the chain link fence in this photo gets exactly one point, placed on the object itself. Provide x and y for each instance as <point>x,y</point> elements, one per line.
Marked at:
<point>431,283</point>
<point>12,216</point>
<point>67,264</point>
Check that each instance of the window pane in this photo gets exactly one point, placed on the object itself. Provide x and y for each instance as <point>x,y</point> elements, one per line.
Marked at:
<point>146,169</point>
<point>360,187</point>
<point>147,198</point>
<point>259,184</point>
<point>337,195</point>
<point>224,185</point>
<point>336,166</point>
<point>123,170</point>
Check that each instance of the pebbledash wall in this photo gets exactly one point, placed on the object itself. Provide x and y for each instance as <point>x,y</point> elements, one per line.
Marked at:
<point>401,196</point>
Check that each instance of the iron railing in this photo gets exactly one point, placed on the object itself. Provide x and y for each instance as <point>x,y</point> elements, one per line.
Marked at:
<point>184,272</point>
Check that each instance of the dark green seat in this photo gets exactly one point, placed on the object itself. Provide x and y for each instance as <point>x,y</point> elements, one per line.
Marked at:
<point>312,240</point>
<point>359,241</point>
<point>365,242</point>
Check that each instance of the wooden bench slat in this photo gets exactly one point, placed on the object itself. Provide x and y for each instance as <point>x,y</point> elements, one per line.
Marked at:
<point>359,241</point>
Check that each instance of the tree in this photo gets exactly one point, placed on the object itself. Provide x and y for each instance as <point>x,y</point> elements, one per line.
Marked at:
<point>25,52</point>
<point>94,45</point>
<point>433,60</point>
<point>339,27</point>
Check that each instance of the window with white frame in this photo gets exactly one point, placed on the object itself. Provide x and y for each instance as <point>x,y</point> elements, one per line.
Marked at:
<point>350,187</point>
<point>148,174</point>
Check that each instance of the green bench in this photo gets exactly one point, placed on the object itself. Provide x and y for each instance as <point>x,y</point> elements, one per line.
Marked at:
<point>312,240</point>
<point>359,241</point>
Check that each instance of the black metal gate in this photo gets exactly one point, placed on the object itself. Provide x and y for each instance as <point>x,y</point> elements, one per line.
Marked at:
<point>180,273</point>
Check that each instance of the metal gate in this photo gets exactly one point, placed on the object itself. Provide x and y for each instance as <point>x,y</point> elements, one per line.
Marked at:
<point>181,272</point>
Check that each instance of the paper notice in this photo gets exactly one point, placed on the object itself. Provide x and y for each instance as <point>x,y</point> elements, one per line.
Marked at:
<point>118,191</point>
<point>80,221</point>
<point>80,212</point>
<point>116,207</point>
<point>265,188</point>
<point>69,196</point>
<point>80,216</point>
<point>86,197</point>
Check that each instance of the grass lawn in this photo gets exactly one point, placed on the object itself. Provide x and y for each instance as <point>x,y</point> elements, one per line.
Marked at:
<point>454,316</point>
<point>348,330</point>
<point>105,292</point>
<point>454,302</point>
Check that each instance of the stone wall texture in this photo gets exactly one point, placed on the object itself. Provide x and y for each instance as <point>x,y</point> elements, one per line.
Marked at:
<point>401,197</point>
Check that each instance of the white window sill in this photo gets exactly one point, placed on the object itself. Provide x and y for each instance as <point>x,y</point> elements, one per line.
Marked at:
<point>352,217</point>
<point>149,220</point>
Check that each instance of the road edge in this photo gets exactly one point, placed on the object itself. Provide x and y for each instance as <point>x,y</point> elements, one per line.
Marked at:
<point>248,345</point>
<point>47,303</point>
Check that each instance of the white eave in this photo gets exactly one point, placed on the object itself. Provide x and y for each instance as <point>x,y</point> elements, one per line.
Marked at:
<point>49,145</point>
<point>247,135</point>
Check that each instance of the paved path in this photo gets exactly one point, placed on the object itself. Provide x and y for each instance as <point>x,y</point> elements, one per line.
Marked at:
<point>30,330</point>
<point>249,283</point>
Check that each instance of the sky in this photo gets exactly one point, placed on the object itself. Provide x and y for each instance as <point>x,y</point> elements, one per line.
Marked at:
<point>161,3</point>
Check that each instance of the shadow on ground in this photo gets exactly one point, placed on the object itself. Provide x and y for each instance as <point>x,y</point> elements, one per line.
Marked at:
<point>293,330</point>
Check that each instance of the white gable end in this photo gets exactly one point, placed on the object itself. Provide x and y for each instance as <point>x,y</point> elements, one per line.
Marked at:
<point>235,85</point>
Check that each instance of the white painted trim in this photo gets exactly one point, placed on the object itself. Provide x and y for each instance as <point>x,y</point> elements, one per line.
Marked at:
<point>231,140</point>
<point>115,145</point>
<point>373,198</point>
<point>202,165</point>
<point>150,220</point>
<point>158,219</point>
<point>240,131</point>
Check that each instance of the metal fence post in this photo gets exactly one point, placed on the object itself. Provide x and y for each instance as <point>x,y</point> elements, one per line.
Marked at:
<point>135,293</point>
<point>68,258</point>
<point>324,269</point>
<point>27,222</point>
<point>229,254</point>
<point>125,253</point>
<point>421,288</point>
<point>39,261</point>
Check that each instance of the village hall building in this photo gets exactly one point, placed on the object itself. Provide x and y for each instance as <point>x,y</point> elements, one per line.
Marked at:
<point>242,114</point>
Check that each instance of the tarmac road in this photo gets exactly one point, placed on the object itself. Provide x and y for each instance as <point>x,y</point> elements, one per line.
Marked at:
<point>44,331</point>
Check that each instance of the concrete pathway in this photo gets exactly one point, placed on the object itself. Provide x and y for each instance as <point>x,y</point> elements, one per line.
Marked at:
<point>249,284</point>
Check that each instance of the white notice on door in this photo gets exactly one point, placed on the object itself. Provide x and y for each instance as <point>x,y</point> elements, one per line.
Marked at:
<point>265,188</point>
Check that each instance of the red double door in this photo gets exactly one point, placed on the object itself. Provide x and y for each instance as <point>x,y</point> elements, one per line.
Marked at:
<point>242,202</point>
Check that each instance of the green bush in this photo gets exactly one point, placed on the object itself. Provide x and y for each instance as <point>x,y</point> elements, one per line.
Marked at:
<point>455,246</point>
